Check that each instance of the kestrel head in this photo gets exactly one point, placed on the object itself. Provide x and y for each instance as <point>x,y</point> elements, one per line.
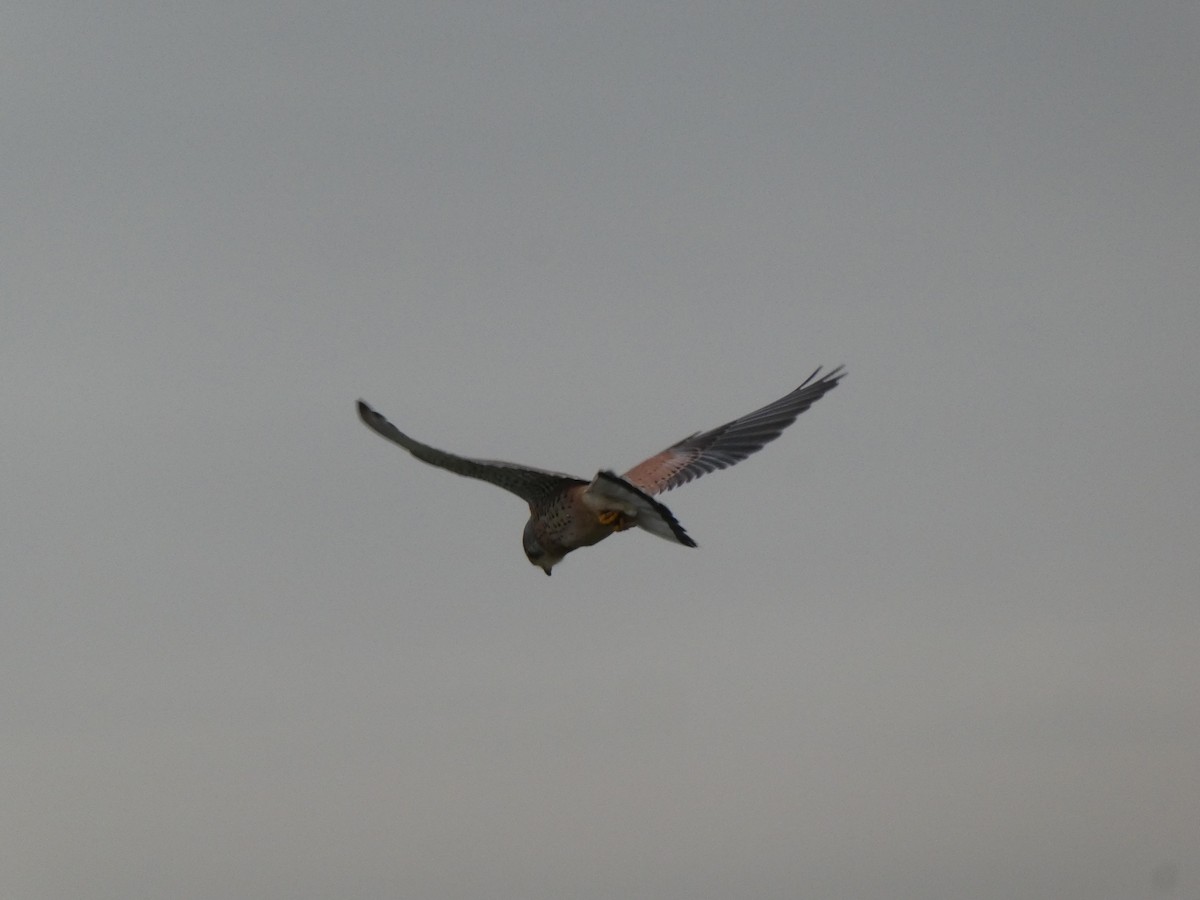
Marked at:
<point>534,551</point>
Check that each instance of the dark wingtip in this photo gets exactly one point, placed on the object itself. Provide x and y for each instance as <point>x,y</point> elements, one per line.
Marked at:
<point>831,378</point>
<point>836,374</point>
<point>366,413</point>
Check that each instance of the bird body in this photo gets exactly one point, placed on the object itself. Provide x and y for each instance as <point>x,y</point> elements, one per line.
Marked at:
<point>566,513</point>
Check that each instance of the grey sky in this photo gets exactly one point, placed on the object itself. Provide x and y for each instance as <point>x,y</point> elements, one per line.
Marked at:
<point>941,640</point>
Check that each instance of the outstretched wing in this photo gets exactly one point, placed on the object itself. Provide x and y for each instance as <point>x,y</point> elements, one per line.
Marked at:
<point>732,442</point>
<point>531,485</point>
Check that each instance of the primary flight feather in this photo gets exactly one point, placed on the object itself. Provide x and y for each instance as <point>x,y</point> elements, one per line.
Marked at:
<point>566,513</point>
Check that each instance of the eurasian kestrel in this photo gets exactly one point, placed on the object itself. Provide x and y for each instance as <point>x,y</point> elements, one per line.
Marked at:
<point>566,512</point>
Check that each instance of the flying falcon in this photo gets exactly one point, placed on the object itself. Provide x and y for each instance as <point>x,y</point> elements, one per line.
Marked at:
<point>566,513</point>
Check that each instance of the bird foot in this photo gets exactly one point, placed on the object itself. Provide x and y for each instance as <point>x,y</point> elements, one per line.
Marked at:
<point>618,520</point>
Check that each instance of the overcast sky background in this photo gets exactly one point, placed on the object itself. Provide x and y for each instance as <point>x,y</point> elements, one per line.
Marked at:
<point>941,640</point>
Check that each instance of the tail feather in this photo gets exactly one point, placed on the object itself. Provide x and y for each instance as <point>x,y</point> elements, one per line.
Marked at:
<point>609,491</point>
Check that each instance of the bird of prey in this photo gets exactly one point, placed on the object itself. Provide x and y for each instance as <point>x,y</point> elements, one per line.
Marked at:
<point>566,513</point>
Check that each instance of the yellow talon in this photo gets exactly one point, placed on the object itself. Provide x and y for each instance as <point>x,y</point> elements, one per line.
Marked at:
<point>618,520</point>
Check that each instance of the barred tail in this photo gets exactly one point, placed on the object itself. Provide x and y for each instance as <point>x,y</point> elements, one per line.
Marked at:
<point>609,491</point>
